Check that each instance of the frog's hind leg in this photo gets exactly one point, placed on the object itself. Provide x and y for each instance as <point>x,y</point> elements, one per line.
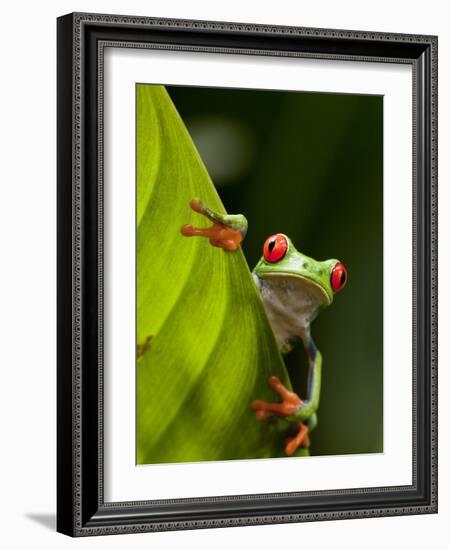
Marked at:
<point>302,437</point>
<point>227,231</point>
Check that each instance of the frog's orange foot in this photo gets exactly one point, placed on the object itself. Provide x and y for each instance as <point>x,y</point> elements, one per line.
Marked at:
<point>301,439</point>
<point>220,234</point>
<point>291,402</point>
<point>197,205</point>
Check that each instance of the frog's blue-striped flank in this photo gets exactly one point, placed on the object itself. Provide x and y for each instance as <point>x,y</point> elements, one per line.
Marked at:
<point>294,289</point>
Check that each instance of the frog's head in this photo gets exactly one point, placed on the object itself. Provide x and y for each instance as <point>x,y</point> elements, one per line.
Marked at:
<point>294,288</point>
<point>281,259</point>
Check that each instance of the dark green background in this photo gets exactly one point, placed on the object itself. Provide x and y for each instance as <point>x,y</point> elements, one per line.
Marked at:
<point>310,165</point>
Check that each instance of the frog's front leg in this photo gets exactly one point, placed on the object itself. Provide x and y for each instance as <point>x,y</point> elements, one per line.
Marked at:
<point>290,404</point>
<point>227,230</point>
<point>303,413</point>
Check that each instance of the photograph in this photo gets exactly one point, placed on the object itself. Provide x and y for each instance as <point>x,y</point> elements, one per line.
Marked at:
<point>259,274</point>
<point>247,289</point>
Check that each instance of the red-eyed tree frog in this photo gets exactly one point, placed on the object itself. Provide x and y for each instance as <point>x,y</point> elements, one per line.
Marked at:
<point>294,289</point>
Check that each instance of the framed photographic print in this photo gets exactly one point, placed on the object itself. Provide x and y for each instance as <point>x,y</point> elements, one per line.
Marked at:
<point>247,283</point>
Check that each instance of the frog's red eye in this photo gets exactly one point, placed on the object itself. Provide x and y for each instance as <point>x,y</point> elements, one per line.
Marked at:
<point>339,277</point>
<point>275,248</point>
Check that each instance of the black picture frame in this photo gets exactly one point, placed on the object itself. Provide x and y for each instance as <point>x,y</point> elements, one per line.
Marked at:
<point>81,509</point>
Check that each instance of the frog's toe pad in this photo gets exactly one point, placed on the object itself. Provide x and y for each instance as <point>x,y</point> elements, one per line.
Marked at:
<point>262,415</point>
<point>226,244</point>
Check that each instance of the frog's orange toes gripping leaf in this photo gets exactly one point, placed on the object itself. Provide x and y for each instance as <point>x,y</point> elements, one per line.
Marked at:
<point>301,439</point>
<point>284,392</point>
<point>291,402</point>
<point>282,409</point>
<point>219,234</point>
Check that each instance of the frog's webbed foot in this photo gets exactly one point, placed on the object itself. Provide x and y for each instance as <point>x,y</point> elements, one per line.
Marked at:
<point>290,404</point>
<point>227,231</point>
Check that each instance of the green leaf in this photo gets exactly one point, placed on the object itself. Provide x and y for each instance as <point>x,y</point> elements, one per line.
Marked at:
<point>210,349</point>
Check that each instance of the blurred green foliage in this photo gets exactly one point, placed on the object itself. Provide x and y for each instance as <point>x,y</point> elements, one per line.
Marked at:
<point>310,165</point>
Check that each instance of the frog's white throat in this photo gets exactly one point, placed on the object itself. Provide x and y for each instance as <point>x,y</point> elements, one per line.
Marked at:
<point>290,302</point>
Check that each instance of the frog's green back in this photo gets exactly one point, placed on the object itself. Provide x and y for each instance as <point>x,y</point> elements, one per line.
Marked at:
<point>212,349</point>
